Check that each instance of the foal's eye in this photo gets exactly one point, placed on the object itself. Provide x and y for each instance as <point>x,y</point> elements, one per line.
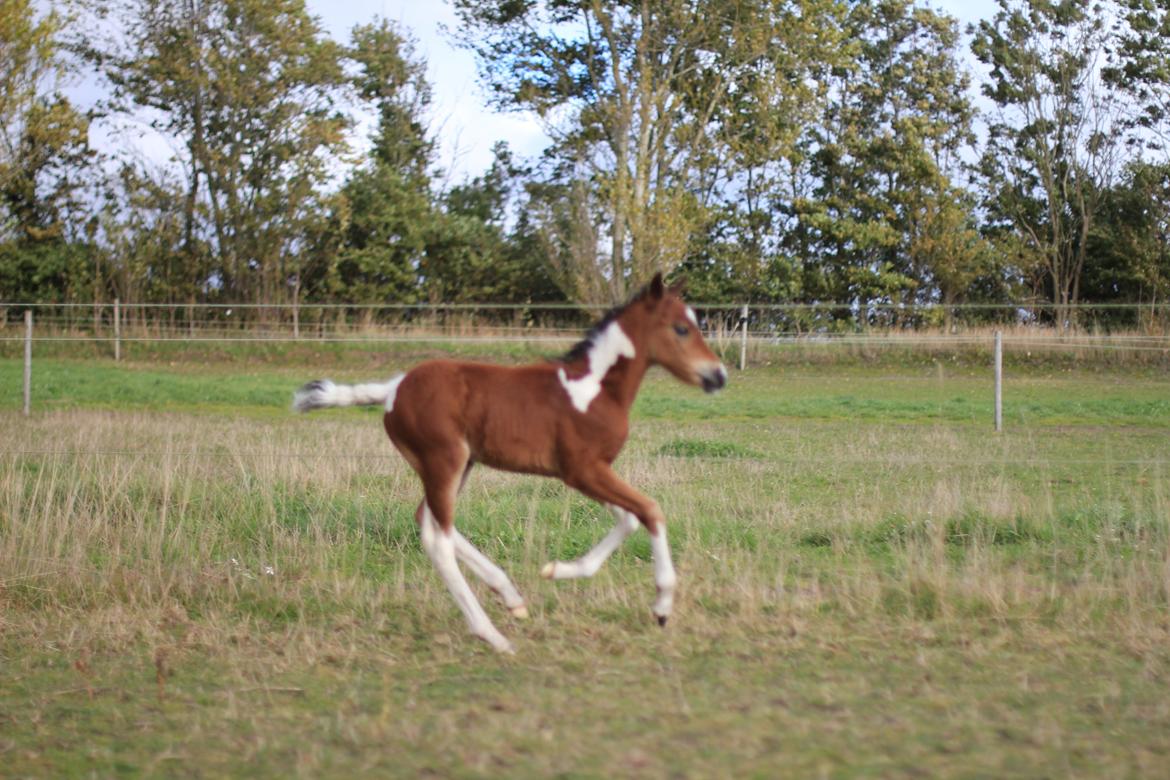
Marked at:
<point>681,330</point>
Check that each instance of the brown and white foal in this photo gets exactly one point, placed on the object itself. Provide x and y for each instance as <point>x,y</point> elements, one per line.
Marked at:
<point>566,419</point>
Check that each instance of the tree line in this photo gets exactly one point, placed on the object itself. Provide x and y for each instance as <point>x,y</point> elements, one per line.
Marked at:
<point>855,151</point>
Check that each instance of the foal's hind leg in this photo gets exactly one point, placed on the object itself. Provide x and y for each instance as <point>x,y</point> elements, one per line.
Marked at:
<point>486,569</point>
<point>588,564</point>
<point>436,527</point>
<point>492,575</point>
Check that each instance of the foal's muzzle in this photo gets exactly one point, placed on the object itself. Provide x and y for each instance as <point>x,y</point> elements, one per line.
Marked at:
<point>714,378</point>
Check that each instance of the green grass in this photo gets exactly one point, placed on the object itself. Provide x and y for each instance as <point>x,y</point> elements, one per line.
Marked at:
<point>912,395</point>
<point>872,583</point>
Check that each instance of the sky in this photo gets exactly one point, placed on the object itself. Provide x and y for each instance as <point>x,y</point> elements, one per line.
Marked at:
<point>465,127</point>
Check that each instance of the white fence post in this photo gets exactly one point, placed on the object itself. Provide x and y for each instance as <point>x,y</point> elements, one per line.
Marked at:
<point>117,329</point>
<point>743,321</point>
<point>28,322</point>
<point>998,381</point>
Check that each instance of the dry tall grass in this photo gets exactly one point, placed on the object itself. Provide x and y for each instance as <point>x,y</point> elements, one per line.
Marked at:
<point>123,512</point>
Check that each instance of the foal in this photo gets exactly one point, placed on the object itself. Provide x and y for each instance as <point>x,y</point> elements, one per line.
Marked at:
<point>566,419</point>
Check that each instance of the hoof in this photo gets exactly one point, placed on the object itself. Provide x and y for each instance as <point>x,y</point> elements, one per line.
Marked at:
<point>520,612</point>
<point>662,620</point>
<point>548,571</point>
<point>499,643</point>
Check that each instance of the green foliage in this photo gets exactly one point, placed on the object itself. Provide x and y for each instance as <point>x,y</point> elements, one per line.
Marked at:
<point>845,179</point>
<point>402,242</point>
<point>44,146</point>
<point>389,221</point>
<point>249,89</point>
<point>49,271</point>
<point>389,209</point>
<point>471,258</point>
<point>44,153</point>
<point>801,151</point>
<point>881,160</point>
<point>1054,138</point>
<point>1142,67</point>
<point>633,91</point>
<point>1129,258</point>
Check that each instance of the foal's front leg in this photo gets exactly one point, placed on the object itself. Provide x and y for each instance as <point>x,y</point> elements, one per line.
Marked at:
<point>600,482</point>
<point>588,564</point>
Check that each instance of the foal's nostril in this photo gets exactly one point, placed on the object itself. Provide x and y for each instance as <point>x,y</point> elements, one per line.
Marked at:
<point>714,379</point>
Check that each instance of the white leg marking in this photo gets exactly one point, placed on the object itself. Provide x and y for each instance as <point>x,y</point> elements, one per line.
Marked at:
<point>611,345</point>
<point>441,549</point>
<point>588,564</point>
<point>664,577</point>
<point>495,578</point>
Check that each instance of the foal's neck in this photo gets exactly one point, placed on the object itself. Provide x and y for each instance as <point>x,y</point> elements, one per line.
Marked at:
<point>624,379</point>
<point>622,382</point>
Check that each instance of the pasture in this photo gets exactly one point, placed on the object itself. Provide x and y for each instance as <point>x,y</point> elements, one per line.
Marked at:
<point>195,582</point>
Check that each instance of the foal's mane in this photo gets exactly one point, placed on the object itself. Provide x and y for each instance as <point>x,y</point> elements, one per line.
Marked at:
<point>581,348</point>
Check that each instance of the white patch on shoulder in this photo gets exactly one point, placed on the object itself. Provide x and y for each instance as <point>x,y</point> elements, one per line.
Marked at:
<point>611,345</point>
<point>691,316</point>
<point>392,391</point>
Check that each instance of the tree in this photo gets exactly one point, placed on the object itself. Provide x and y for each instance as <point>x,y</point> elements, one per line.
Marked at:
<point>389,213</point>
<point>1129,247</point>
<point>403,241</point>
<point>144,257</point>
<point>750,247</point>
<point>1055,135</point>
<point>628,90</point>
<point>880,161</point>
<point>470,256</point>
<point>248,90</point>
<point>1141,68</point>
<point>44,153</point>
<point>946,245</point>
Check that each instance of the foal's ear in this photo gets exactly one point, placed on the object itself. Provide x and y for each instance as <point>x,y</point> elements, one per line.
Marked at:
<point>657,289</point>
<point>679,287</point>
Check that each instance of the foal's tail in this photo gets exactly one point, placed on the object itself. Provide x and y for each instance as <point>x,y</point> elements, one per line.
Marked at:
<point>323,394</point>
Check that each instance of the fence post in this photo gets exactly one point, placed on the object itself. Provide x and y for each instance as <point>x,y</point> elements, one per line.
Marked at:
<point>998,381</point>
<point>28,322</point>
<point>743,321</point>
<point>117,329</point>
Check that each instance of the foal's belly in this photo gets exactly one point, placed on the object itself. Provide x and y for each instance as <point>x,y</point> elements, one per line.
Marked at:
<point>511,445</point>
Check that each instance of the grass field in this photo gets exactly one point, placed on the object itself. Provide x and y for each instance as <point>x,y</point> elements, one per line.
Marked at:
<point>194,582</point>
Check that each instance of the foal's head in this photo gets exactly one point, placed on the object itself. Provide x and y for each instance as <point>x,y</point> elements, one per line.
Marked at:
<point>674,339</point>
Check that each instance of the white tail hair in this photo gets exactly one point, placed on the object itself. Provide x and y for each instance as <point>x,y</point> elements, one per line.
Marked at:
<point>324,394</point>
